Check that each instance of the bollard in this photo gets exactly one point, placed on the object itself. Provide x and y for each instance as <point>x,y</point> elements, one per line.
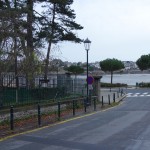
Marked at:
<point>94,104</point>
<point>137,85</point>
<point>39,115</point>
<point>11,118</point>
<point>58,110</point>
<point>118,94</point>
<point>114,97</point>
<point>109,99</point>
<point>102,101</point>
<point>110,89</point>
<point>73,103</point>
<point>121,92</point>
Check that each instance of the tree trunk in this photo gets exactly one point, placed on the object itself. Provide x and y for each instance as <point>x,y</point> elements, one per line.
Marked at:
<point>15,47</point>
<point>29,27</point>
<point>50,43</point>
<point>30,49</point>
<point>47,61</point>
<point>111,77</point>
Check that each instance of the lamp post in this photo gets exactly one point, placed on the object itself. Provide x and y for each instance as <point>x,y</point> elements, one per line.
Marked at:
<point>57,65</point>
<point>57,69</point>
<point>87,44</point>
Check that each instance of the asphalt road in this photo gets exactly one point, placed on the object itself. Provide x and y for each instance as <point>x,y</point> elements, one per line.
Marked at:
<point>125,127</point>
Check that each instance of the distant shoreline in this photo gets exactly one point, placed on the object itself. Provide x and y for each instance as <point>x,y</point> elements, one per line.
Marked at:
<point>116,72</point>
<point>125,78</point>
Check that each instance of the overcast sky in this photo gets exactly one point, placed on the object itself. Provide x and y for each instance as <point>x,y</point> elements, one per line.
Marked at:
<point>117,28</point>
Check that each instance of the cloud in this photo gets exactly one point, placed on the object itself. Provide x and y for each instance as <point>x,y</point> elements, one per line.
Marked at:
<point>117,28</point>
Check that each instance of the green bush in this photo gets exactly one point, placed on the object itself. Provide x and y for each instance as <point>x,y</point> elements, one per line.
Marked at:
<point>144,84</point>
<point>113,85</point>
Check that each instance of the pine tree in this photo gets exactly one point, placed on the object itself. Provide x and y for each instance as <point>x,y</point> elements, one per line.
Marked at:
<point>58,24</point>
<point>17,19</point>
<point>9,39</point>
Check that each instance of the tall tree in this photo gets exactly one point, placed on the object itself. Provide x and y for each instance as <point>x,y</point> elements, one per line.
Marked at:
<point>75,69</point>
<point>30,48</point>
<point>111,65</point>
<point>143,62</point>
<point>23,30</point>
<point>18,34</point>
<point>11,17</point>
<point>58,25</point>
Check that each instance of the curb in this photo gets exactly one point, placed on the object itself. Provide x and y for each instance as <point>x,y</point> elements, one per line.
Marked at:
<point>121,98</point>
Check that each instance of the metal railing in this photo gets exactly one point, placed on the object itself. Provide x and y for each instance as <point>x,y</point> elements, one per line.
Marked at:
<point>57,87</point>
<point>18,119</point>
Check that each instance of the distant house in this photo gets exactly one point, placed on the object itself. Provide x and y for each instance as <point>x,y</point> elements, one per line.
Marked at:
<point>129,65</point>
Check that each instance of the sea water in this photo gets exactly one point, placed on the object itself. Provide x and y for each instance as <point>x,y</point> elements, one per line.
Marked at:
<point>130,79</point>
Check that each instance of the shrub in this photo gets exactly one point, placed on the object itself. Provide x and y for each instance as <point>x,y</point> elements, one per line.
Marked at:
<point>144,84</point>
<point>113,85</point>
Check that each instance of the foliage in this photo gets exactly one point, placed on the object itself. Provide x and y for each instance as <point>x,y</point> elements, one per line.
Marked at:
<point>144,84</point>
<point>57,24</point>
<point>111,65</point>
<point>17,39</point>
<point>113,85</point>
<point>75,69</point>
<point>25,32</point>
<point>143,62</point>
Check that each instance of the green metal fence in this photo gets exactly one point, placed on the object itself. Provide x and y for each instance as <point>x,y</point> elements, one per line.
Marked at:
<point>53,90</point>
<point>11,96</point>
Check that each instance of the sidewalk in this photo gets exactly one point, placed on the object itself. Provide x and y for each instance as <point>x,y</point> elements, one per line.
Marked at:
<point>106,92</point>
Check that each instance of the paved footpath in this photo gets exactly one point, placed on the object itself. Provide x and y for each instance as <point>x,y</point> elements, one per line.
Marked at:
<point>125,127</point>
<point>105,92</point>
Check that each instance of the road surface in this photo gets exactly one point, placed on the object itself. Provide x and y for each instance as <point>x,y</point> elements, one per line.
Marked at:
<point>125,127</point>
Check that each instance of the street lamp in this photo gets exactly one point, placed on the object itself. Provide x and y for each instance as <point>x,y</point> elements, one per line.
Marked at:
<point>87,44</point>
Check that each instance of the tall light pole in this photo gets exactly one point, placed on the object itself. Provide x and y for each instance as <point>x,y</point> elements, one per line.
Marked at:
<point>87,44</point>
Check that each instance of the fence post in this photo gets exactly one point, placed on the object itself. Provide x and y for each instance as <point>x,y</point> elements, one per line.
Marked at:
<point>102,101</point>
<point>59,110</point>
<point>114,97</point>
<point>109,99</point>
<point>39,115</point>
<point>11,118</point>
<point>82,92</point>
<point>94,104</point>
<point>73,107</point>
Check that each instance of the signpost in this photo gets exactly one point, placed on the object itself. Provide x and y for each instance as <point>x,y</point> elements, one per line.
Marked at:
<point>90,80</point>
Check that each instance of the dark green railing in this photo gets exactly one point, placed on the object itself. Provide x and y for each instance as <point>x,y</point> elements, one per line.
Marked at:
<point>12,96</point>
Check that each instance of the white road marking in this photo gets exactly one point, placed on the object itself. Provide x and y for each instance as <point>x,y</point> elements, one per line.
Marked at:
<point>137,93</point>
<point>145,93</point>
<point>130,93</point>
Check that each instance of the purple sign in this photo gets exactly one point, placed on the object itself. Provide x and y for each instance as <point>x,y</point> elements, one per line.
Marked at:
<point>90,80</point>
